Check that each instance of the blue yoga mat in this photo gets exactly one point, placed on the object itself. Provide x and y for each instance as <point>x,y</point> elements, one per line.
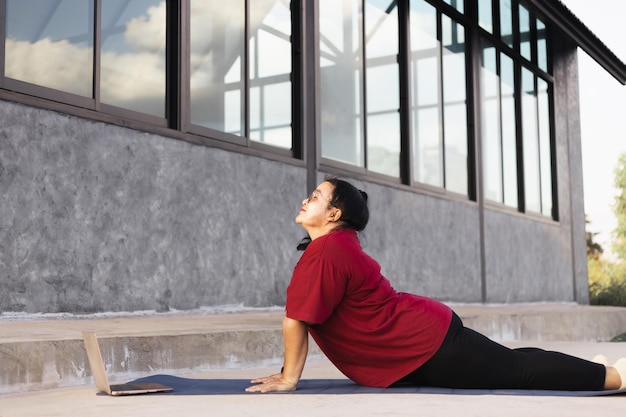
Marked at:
<point>191,386</point>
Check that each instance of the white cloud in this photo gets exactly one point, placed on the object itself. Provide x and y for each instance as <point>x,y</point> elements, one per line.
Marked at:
<point>54,64</point>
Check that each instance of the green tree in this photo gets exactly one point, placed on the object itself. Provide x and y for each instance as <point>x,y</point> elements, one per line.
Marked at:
<point>607,279</point>
<point>619,234</point>
<point>594,250</point>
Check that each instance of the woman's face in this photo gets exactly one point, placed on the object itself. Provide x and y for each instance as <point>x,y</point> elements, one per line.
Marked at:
<point>316,211</point>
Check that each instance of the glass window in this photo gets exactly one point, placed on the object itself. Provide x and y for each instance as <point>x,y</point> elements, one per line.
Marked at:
<point>217,50</point>
<point>485,19</point>
<point>425,82</point>
<point>132,73</point>
<point>51,44</point>
<point>454,106</point>
<point>341,72</point>
<point>542,46</point>
<point>524,32</point>
<point>220,98</point>
<point>530,142</point>
<point>543,102</point>
<point>457,4</point>
<point>439,99</point>
<point>498,127</point>
<point>509,87</point>
<point>509,133</point>
<point>490,124</point>
<point>270,72</point>
<point>506,22</point>
<point>383,88</point>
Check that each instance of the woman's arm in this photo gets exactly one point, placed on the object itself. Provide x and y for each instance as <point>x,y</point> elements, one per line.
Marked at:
<point>296,339</point>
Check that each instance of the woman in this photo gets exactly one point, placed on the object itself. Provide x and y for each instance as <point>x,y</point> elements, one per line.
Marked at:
<point>378,337</point>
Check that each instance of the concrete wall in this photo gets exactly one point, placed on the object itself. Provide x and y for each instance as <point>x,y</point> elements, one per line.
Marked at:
<point>96,218</point>
<point>425,245</point>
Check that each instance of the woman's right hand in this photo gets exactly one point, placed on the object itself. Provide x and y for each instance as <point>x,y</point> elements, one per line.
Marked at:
<point>272,383</point>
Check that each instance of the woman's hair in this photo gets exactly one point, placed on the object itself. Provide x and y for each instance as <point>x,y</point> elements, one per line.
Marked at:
<point>351,201</point>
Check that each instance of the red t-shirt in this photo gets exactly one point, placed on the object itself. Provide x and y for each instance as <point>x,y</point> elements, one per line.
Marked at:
<point>371,333</point>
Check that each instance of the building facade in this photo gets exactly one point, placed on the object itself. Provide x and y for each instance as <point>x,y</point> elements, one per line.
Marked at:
<point>153,153</point>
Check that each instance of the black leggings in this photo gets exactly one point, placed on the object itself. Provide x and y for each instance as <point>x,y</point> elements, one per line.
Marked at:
<point>467,359</point>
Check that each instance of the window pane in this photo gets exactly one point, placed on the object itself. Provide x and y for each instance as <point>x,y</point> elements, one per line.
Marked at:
<point>457,4</point>
<point>383,143</point>
<point>485,19</point>
<point>51,44</point>
<point>270,114</point>
<point>270,72</point>
<point>531,144</point>
<point>509,135</point>
<point>216,71</point>
<point>425,84</point>
<point>132,72</point>
<point>455,112</point>
<point>542,46</point>
<point>544,147</point>
<point>383,88</point>
<point>427,153</point>
<point>490,125</point>
<point>524,30</point>
<point>506,22</point>
<point>340,78</point>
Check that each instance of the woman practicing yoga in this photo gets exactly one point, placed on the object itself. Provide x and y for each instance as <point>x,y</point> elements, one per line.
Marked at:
<point>379,337</point>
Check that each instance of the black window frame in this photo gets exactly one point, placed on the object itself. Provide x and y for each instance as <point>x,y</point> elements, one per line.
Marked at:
<point>306,143</point>
<point>175,121</point>
<point>531,65</point>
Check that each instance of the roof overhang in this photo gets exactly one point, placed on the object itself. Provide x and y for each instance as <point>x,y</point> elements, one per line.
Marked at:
<point>565,20</point>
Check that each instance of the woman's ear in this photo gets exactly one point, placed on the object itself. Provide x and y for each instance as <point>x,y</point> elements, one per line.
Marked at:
<point>335,215</point>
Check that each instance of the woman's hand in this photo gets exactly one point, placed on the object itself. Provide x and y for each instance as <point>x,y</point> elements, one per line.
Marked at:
<point>272,383</point>
<point>296,338</point>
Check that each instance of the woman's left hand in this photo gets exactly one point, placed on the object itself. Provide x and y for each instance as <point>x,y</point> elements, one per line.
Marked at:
<point>272,383</point>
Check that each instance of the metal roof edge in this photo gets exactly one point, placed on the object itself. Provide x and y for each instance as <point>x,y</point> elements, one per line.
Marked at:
<point>573,27</point>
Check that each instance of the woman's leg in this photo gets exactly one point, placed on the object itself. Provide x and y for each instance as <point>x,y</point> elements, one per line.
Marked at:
<point>467,359</point>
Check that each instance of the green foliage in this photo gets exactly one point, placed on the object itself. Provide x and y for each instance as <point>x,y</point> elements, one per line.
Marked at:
<point>619,338</point>
<point>619,234</point>
<point>607,285</point>
<point>594,250</point>
<point>607,280</point>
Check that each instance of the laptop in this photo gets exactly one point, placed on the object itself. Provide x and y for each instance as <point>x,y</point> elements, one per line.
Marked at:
<point>99,373</point>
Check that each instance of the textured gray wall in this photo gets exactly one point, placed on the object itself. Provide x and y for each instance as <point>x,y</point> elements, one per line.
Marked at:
<point>98,218</point>
<point>526,260</point>
<point>425,245</point>
<point>102,218</point>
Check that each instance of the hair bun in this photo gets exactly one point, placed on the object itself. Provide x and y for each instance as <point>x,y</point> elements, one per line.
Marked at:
<point>364,195</point>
